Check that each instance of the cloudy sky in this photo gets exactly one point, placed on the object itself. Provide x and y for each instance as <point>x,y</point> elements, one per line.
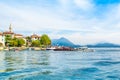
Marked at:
<point>80,21</point>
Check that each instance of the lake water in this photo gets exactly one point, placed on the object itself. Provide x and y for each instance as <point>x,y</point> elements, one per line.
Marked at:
<point>103,64</point>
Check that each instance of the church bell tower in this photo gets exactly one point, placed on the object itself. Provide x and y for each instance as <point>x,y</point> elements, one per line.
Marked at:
<point>10,28</point>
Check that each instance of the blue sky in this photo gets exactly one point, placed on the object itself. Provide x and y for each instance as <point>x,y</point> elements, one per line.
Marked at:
<point>81,21</point>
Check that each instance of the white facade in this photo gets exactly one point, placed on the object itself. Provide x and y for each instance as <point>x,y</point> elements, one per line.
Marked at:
<point>2,39</point>
<point>35,37</point>
<point>18,36</point>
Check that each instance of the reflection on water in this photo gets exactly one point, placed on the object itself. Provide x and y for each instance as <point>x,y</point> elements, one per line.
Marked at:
<point>50,65</point>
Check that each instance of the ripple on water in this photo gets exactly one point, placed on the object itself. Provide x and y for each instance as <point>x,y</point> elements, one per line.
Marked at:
<point>31,76</point>
<point>38,65</point>
<point>114,77</point>
<point>81,72</point>
<point>106,63</point>
<point>89,70</point>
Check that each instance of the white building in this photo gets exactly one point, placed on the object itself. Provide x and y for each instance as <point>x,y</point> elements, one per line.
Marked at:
<point>18,35</point>
<point>35,37</point>
<point>2,39</point>
<point>10,32</point>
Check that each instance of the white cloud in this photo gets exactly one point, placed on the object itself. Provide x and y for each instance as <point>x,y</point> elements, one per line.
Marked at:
<point>84,4</point>
<point>87,29</point>
<point>64,2</point>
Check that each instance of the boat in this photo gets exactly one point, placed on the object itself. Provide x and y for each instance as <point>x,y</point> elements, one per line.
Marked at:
<point>50,48</point>
<point>63,49</point>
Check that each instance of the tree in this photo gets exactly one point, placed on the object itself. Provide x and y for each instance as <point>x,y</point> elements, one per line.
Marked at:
<point>45,40</point>
<point>1,44</point>
<point>15,42</point>
<point>28,41</point>
<point>21,42</point>
<point>35,43</point>
<point>7,40</point>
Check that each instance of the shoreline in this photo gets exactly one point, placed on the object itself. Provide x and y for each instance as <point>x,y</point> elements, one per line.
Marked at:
<point>57,48</point>
<point>20,48</point>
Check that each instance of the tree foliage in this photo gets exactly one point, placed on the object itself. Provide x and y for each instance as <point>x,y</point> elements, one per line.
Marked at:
<point>28,41</point>
<point>21,42</point>
<point>45,40</point>
<point>1,44</point>
<point>15,42</point>
<point>7,40</point>
<point>28,38</point>
<point>18,42</point>
<point>35,43</point>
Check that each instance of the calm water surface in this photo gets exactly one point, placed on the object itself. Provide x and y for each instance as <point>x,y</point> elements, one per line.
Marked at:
<point>103,64</point>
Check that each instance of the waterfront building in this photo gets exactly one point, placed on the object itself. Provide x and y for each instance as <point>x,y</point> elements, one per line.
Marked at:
<point>35,37</point>
<point>2,39</point>
<point>10,32</point>
<point>18,35</point>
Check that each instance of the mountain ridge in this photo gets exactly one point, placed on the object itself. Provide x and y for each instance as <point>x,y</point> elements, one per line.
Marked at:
<point>65,42</point>
<point>106,44</point>
<point>62,42</point>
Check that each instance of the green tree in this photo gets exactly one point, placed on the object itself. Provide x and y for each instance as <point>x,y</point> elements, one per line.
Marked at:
<point>13,42</point>
<point>1,44</point>
<point>28,41</point>
<point>21,42</point>
<point>7,40</point>
<point>35,43</point>
<point>45,40</point>
<point>28,38</point>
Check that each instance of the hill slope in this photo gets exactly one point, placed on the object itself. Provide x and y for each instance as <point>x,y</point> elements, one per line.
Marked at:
<point>62,42</point>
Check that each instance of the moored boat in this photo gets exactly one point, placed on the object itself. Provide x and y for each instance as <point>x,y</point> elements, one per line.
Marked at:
<point>51,48</point>
<point>64,49</point>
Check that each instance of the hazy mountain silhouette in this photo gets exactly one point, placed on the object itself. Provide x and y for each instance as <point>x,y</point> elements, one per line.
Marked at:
<point>62,42</point>
<point>104,45</point>
<point>65,42</point>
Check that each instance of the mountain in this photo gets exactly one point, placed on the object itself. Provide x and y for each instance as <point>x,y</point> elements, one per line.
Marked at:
<point>62,42</point>
<point>65,42</point>
<point>104,45</point>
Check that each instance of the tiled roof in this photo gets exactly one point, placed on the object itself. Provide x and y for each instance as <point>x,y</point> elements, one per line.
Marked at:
<point>35,36</point>
<point>18,35</point>
<point>1,33</point>
<point>7,32</point>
